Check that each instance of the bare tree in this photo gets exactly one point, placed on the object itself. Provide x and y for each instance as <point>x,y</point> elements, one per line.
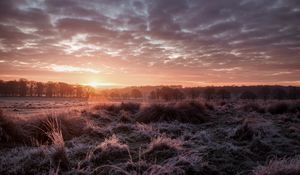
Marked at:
<point>135,93</point>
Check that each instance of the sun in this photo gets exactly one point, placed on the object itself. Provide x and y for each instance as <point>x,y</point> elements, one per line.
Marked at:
<point>94,84</point>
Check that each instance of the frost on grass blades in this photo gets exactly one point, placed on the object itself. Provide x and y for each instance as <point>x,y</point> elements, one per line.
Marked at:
<point>234,138</point>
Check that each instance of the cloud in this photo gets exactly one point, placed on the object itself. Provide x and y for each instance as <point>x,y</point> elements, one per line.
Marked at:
<point>173,36</point>
<point>67,68</point>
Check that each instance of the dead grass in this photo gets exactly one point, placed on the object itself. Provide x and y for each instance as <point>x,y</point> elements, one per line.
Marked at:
<point>10,131</point>
<point>162,148</point>
<point>190,112</point>
<point>117,108</point>
<point>168,142</point>
<point>110,151</point>
<point>244,132</point>
<point>71,126</point>
<point>287,166</point>
<point>253,107</point>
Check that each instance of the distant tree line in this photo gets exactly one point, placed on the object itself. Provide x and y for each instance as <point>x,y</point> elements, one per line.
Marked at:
<point>25,88</point>
<point>166,93</point>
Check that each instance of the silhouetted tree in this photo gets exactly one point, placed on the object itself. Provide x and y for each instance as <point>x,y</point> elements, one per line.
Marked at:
<point>177,94</point>
<point>40,89</point>
<point>31,86</point>
<point>50,86</point>
<point>135,93</point>
<point>79,91</point>
<point>114,95</point>
<point>22,87</point>
<point>125,96</point>
<point>153,95</point>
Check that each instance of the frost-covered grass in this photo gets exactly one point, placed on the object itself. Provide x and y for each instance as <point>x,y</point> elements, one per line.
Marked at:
<point>174,138</point>
<point>285,166</point>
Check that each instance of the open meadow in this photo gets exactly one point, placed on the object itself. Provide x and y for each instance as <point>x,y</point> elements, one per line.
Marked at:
<point>187,137</point>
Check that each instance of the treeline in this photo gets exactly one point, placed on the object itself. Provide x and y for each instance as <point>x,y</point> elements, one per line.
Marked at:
<point>25,88</point>
<point>209,93</point>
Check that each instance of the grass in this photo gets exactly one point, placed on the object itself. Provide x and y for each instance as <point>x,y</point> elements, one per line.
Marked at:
<point>286,166</point>
<point>190,112</point>
<point>10,131</point>
<point>117,108</point>
<point>253,107</point>
<point>175,138</point>
<point>111,150</point>
<point>162,148</point>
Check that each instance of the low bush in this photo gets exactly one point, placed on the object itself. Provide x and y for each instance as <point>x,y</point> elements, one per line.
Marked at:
<point>71,126</point>
<point>10,131</point>
<point>191,112</point>
<point>162,148</point>
<point>244,132</point>
<point>253,107</point>
<point>117,108</point>
<point>111,150</point>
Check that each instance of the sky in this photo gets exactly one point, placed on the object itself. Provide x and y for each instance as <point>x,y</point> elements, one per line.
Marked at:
<point>151,42</point>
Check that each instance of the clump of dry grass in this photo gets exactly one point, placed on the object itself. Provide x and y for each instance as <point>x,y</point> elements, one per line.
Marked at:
<point>59,157</point>
<point>244,132</point>
<point>289,166</point>
<point>10,131</point>
<point>253,107</point>
<point>71,126</point>
<point>190,112</point>
<point>259,147</point>
<point>111,150</point>
<point>117,108</point>
<point>162,148</point>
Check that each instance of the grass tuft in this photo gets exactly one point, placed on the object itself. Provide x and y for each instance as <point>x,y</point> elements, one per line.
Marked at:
<point>191,112</point>
<point>289,166</point>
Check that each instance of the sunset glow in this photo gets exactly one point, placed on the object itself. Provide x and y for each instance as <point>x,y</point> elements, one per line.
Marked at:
<point>141,42</point>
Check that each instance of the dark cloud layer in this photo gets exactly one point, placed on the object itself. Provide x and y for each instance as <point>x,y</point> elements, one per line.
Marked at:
<point>196,41</point>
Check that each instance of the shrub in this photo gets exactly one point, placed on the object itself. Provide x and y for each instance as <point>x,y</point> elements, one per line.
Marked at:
<point>162,148</point>
<point>111,150</point>
<point>117,108</point>
<point>59,156</point>
<point>279,108</point>
<point>71,126</point>
<point>183,112</point>
<point>244,132</point>
<point>253,107</point>
<point>289,166</point>
<point>10,132</point>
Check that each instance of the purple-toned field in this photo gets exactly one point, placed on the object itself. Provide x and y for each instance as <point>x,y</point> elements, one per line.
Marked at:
<point>64,136</point>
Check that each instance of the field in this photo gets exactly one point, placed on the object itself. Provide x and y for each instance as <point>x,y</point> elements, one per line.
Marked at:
<point>63,136</point>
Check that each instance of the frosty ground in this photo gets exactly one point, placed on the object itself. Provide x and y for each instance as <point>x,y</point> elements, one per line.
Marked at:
<point>215,137</point>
